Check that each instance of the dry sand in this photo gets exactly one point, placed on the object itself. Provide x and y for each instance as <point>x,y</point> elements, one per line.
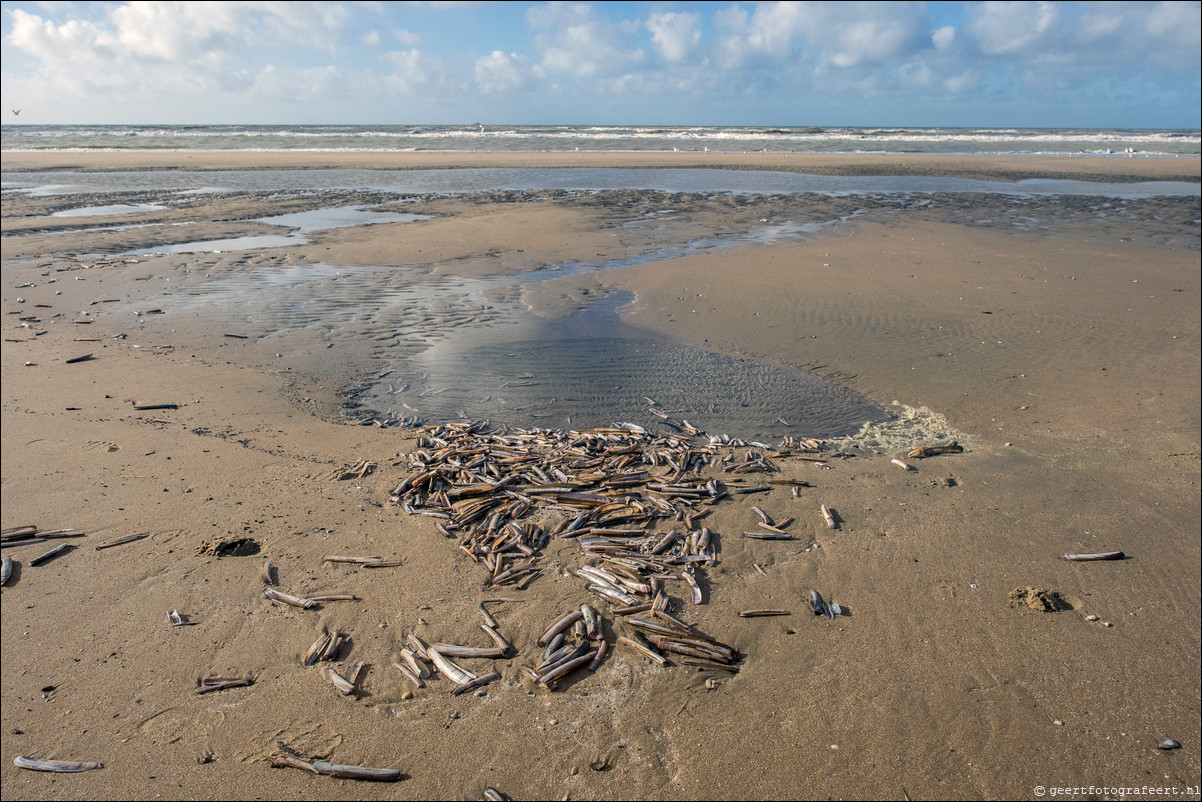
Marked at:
<point>1065,356</point>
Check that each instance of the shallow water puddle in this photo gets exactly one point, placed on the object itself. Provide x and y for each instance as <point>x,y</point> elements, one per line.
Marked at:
<point>339,217</point>
<point>591,369</point>
<point>302,223</point>
<point>222,245</point>
<point>116,208</point>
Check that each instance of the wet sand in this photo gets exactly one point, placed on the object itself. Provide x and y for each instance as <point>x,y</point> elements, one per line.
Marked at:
<point>1057,341</point>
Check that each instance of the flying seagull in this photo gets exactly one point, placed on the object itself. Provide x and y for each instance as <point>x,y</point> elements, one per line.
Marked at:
<point>16,112</point>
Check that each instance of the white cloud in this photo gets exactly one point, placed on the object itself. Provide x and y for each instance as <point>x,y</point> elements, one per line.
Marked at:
<point>312,25</point>
<point>575,41</point>
<point>412,71</point>
<point>501,72</point>
<point>406,38</point>
<point>772,28</point>
<point>1175,20</point>
<point>944,38</point>
<point>1071,45</point>
<point>558,14</point>
<point>675,35</point>
<point>918,75</point>
<point>842,35</point>
<point>964,82</point>
<point>275,83</point>
<point>1003,28</point>
<point>173,32</point>
<point>371,38</point>
<point>1162,33</point>
<point>136,50</point>
<point>163,32</point>
<point>147,48</point>
<point>874,34</point>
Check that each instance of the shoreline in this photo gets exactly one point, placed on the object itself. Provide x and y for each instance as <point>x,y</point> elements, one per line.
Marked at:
<point>1062,340</point>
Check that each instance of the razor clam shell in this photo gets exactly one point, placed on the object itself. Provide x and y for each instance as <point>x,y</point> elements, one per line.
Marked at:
<point>356,772</point>
<point>317,650</point>
<point>816,602</point>
<point>449,669</point>
<point>409,674</point>
<point>288,598</point>
<point>456,650</point>
<point>61,766</point>
<point>592,622</point>
<point>344,685</point>
<point>559,625</point>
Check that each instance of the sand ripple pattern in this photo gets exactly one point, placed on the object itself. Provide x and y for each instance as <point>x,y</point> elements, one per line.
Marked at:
<point>591,382</point>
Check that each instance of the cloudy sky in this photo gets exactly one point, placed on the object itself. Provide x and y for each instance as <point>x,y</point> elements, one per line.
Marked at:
<point>1028,64</point>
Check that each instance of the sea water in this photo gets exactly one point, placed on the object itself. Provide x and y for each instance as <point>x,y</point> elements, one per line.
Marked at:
<point>613,138</point>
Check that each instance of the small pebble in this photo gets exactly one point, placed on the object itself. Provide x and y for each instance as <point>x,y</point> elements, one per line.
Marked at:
<point>1091,618</point>
<point>1107,624</point>
<point>1169,743</point>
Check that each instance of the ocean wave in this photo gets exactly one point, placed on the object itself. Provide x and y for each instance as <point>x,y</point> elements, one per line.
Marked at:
<point>812,139</point>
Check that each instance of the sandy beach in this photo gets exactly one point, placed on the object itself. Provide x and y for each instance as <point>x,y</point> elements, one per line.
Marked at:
<point>1055,339</point>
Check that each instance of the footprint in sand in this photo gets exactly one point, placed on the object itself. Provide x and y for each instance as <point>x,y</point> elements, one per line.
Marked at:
<point>311,742</point>
<point>1042,601</point>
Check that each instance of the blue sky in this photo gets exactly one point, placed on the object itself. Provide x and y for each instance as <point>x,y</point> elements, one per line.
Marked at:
<point>1023,64</point>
